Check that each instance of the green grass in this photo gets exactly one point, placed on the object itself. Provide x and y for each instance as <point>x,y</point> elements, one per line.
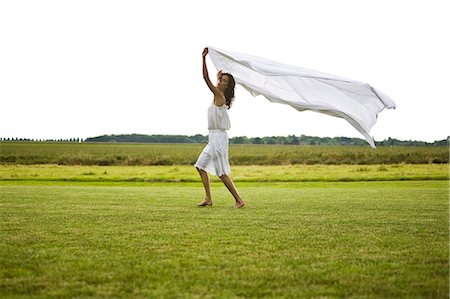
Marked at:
<point>292,240</point>
<point>187,173</point>
<point>186,154</point>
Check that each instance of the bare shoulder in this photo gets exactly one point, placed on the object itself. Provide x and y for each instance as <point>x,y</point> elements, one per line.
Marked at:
<point>219,99</point>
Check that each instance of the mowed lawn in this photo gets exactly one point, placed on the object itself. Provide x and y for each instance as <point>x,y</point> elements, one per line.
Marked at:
<point>293,240</point>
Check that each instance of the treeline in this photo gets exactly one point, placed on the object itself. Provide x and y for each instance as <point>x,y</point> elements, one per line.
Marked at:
<point>77,140</point>
<point>291,140</point>
<point>140,138</point>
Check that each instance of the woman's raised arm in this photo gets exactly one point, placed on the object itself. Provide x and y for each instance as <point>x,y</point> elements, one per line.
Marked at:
<point>211,86</point>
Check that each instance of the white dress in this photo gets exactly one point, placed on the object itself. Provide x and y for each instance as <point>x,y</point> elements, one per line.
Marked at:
<point>214,157</point>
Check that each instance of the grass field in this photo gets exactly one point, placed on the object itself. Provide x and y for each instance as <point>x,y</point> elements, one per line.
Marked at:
<point>292,240</point>
<point>184,173</point>
<point>77,221</point>
<point>186,154</point>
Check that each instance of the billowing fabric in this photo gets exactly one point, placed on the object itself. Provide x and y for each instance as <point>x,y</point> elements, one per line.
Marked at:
<point>214,157</point>
<point>303,89</point>
<point>218,118</point>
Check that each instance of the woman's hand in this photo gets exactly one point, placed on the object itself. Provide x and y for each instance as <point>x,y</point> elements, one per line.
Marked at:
<point>219,74</point>
<point>205,52</point>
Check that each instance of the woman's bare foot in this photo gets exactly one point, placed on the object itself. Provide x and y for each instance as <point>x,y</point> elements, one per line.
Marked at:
<point>206,202</point>
<point>239,204</point>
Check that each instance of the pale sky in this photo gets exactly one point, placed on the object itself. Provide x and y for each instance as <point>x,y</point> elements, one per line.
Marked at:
<point>87,68</point>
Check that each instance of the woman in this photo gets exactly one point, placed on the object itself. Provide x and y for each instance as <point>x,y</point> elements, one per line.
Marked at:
<point>214,157</point>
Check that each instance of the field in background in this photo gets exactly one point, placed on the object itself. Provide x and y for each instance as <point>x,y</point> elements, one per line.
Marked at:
<point>255,173</point>
<point>186,154</point>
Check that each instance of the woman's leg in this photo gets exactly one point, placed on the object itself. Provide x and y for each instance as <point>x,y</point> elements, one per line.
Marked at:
<point>205,181</point>
<point>230,186</point>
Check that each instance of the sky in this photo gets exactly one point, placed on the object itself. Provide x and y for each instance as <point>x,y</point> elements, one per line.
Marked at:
<point>78,69</point>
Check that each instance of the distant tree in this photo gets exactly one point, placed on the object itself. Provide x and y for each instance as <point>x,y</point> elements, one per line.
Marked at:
<point>257,140</point>
<point>199,138</point>
<point>444,142</point>
<point>239,140</point>
<point>270,140</point>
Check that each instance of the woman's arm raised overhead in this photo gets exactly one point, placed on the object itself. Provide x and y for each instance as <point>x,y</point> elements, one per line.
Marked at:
<point>211,86</point>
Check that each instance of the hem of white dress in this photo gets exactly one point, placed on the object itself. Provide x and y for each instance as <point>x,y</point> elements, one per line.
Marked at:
<point>210,171</point>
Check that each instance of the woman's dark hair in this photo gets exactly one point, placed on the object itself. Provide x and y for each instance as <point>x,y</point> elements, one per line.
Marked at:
<point>229,92</point>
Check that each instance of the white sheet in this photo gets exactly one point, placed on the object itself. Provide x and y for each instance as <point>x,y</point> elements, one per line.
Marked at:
<point>357,102</point>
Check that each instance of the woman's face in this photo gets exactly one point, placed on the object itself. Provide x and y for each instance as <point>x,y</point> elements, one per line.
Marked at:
<point>223,82</point>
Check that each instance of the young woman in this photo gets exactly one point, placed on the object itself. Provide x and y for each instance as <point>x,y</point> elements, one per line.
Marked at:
<point>214,157</point>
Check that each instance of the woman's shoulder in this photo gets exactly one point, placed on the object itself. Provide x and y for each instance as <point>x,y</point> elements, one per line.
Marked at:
<point>223,106</point>
<point>219,100</point>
